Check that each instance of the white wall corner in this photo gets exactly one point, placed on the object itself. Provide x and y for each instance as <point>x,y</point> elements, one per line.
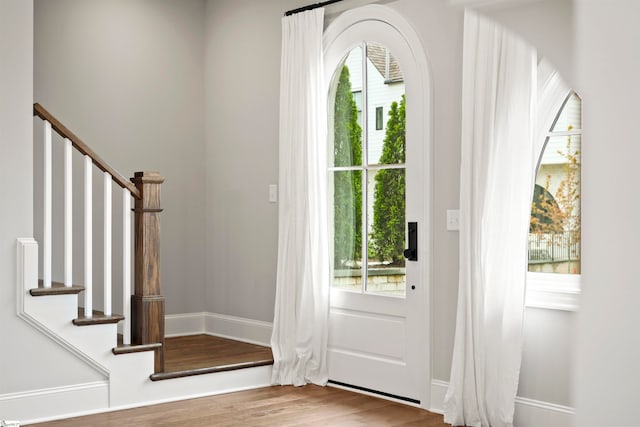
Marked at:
<point>220,325</point>
<point>529,412</point>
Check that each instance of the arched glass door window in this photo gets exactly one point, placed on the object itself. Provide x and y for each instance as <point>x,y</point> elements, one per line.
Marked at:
<point>555,227</point>
<point>367,143</point>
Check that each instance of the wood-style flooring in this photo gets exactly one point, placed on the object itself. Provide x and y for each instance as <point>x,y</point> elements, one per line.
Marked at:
<point>272,406</point>
<point>204,351</point>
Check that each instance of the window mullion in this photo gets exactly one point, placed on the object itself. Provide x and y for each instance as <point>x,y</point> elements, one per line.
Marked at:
<point>365,163</point>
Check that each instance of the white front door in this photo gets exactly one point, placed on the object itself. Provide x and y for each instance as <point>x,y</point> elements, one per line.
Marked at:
<point>379,315</point>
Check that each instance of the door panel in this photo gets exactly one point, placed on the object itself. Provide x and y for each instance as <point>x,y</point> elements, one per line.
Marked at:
<point>368,344</point>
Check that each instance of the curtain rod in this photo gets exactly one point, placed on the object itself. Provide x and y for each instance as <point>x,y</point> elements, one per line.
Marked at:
<point>310,7</point>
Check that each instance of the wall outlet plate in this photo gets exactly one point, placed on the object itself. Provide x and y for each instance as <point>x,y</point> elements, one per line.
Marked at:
<point>453,219</point>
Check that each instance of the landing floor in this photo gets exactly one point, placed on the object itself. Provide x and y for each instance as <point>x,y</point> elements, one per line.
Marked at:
<point>205,351</point>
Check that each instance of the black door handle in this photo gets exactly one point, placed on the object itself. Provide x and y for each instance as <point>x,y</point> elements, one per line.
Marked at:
<point>412,252</point>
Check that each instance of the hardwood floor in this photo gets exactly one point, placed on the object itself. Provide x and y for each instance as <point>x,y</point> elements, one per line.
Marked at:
<point>272,406</point>
<point>205,351</point>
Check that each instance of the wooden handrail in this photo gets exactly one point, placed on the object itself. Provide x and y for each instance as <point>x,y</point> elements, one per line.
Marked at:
<point>40,111</point>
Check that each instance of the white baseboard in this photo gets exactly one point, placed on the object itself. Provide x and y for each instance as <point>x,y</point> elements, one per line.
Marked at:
<point>231,382</point>
<point>220,325</point>
<point>34,404</point>
<point>438,391</point>
<point>528,413</point>
<point>184,324</point>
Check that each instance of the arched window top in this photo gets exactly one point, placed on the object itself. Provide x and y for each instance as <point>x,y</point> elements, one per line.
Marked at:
<point>555,226</point>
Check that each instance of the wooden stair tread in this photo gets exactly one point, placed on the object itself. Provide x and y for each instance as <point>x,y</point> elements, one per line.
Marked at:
<point>133,348</point>
<point>98,318</point>
<point>56,288</point>
<point>211,370</point>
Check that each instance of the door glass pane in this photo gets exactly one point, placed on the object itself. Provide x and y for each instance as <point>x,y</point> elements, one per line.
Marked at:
<point>346,109</point>
<point>386,227</point>
<point>347,230</point>
<point>385,106</point>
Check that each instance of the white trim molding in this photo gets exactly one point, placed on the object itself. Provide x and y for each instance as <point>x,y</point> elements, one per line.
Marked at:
<point>193,387</point>
<point>35,404</point>
<point>184,324</point>
<point>220,325</point>
<point>529,412</point>
<point>27,278</point>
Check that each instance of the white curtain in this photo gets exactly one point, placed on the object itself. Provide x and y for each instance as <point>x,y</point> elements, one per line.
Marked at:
<point>552,92</point>
<point>498,100</point>
<point>299,339</point>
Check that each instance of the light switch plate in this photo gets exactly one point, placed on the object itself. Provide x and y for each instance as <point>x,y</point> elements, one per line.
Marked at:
<point>453,219</point>
<point>273,193</point>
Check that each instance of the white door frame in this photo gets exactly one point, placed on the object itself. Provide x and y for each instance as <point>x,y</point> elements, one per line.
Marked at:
<point>419,89</point>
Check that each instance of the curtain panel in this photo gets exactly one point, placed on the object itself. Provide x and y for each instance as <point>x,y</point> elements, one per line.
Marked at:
<point>552,92</point>
<point>300,326</point>
<point>496,180</point>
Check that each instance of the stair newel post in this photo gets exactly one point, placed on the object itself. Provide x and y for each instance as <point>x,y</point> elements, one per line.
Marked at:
<point>147,303</point>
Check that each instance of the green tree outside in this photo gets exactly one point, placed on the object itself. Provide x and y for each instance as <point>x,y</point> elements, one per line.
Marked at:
<point>347,185</point>
<point>389,195</point>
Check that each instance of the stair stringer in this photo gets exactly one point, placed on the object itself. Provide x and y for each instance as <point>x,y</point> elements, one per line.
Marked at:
<point>127,374</point>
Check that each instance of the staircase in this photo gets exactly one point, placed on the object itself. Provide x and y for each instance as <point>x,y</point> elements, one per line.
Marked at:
<point>65,312</point>
<point>144,311</point>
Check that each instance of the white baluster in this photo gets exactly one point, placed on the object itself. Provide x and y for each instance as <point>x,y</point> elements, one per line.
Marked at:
<point>88,238</point>
<point>46,230</point>
<point>68,215</point>
<point>107,244</point>
<point>126,266</point>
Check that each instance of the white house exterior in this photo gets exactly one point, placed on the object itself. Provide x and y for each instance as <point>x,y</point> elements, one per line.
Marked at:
<point>382,91</point>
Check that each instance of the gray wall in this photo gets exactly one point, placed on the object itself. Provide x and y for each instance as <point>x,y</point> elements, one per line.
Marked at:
<point>608,346</point>
<point>127,76</point>
<point>23,349</point>
<point>242,97</point>
<point>546,24</point>
<point>440,30</point>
